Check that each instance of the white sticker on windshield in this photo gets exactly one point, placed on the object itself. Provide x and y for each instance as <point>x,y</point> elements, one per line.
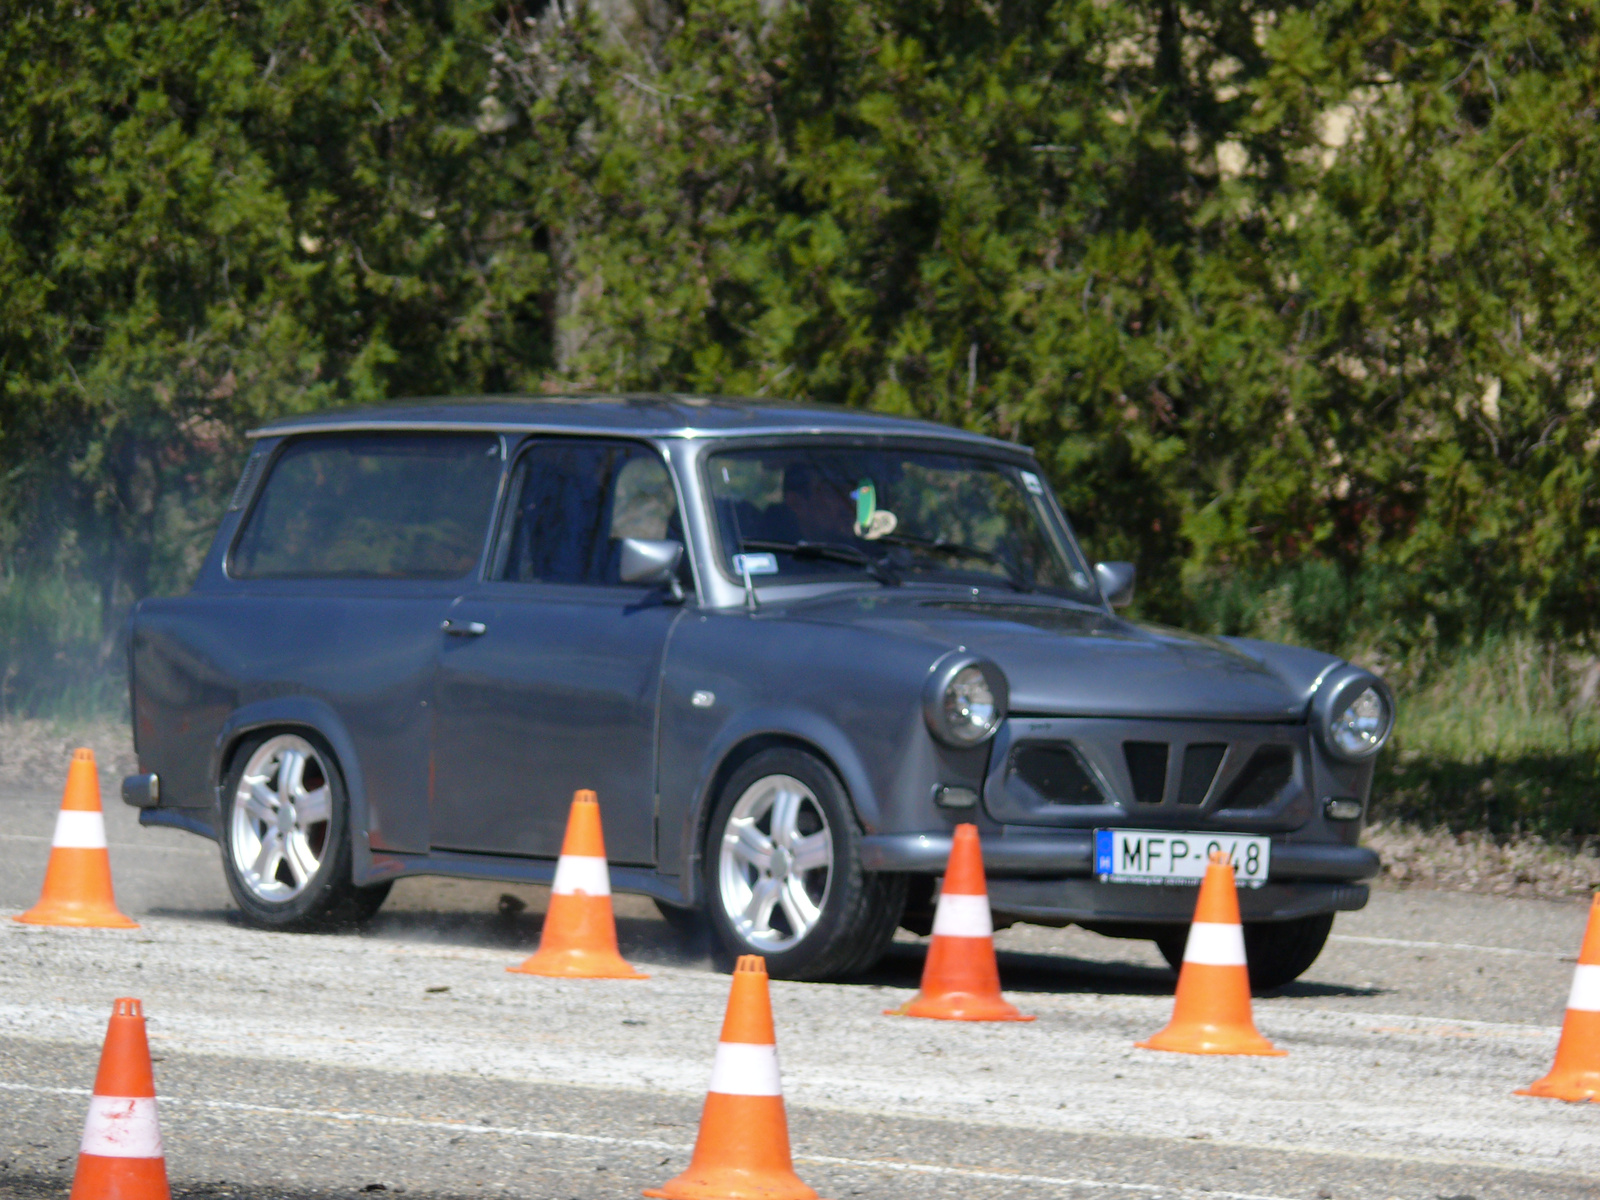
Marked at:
<point>755,564</point>
<point>1031,482</point>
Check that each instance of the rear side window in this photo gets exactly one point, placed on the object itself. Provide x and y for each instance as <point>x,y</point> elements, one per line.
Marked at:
<point>572,503</point>
<point>372,506</point>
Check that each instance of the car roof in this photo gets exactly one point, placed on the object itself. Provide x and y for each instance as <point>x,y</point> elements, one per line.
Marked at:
<point>652,416</point>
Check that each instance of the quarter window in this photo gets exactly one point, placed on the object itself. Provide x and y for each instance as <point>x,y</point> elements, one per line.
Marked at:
<point>372,506</point>
<point>572,503</point>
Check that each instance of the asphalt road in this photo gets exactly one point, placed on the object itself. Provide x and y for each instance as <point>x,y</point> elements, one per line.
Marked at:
<point>405,1056</point>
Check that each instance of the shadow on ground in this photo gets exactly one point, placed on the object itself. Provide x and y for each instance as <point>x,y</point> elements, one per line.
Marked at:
<point>512,924</point>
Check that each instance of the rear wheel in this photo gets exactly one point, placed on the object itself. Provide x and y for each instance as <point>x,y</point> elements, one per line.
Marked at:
<point>1279,952</point>
<point>285,834</point>
<point>783,872</point>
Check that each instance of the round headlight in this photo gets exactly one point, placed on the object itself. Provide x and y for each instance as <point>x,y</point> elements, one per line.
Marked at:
<point>970,713</point>
<point>965,699</point>
<point>1352,713</point>
<point>1361,729</point>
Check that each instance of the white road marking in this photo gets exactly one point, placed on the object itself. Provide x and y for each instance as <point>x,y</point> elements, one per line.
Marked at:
<point>1380,941</point>
<point>552,1135</point>
<point>29,837</point>
<point>1508,1026</point>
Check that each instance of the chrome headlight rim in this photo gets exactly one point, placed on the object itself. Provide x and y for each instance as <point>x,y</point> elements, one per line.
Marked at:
<point>1335,698</point>
<point>943,679</point>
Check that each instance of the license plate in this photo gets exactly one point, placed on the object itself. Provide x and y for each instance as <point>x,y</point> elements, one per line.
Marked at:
<point>1161,856</point>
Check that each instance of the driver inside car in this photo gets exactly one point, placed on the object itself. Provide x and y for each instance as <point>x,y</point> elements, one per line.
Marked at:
<point>814,508</point>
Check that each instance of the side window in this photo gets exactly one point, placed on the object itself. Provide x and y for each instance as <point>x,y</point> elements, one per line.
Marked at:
<point>372,506</point>
<point>571,504</point>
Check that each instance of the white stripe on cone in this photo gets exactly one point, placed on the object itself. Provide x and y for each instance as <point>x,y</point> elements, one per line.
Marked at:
<point>745,1069</point>
<point>122,1127</point>
<point>80,830</point>
<point>580,873</point>
<point>1585,995</point>
<point>1215,945</point>
<point>962,916</point>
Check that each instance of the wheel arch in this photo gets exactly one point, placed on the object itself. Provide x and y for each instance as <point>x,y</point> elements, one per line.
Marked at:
<point>300,714</point>
<point>731,753</point>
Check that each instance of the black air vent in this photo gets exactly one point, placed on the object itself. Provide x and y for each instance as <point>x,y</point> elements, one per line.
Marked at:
<point>1147,765</point>
<point>1269,770</point>
<point>1200,763</point>
<point>1055,773</point>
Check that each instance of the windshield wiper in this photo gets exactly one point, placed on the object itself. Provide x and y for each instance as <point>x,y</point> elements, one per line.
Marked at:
<point>1014,575</point>
<point>831,551</point>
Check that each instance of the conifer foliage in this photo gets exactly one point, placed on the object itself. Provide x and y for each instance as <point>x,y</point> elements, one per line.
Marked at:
<point>1295,300</point>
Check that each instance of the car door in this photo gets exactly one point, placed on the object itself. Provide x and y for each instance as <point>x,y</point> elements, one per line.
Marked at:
<point>350,555</point>
<point>549,671</point>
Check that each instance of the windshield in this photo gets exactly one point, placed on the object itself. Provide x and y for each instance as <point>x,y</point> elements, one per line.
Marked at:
<point>804,513</point>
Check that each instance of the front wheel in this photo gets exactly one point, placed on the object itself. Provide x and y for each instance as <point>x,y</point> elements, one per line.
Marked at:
<point>286,837</point>
<point>1278,952</point>
<point>783,872</point>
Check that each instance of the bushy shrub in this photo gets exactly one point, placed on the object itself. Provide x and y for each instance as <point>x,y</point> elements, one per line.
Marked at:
<point>1297,302</point>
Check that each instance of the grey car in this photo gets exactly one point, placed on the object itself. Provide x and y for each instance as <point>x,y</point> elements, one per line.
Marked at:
<point>790,647</point>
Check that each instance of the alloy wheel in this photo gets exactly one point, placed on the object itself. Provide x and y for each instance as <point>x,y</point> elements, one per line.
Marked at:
<point>282,809</point>
<point>776,863</point>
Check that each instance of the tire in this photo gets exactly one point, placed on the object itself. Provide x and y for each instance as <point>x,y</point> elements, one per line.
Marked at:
<point>826,920</point>
<point>306,883</point>
<point>1279,952</point>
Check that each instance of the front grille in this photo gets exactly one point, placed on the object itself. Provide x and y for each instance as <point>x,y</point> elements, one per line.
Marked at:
<point>1266,774</point>
<point>1055,773</point>
<point>1200,763</point>
<point>1147,768</point>
<point>1071,772</point>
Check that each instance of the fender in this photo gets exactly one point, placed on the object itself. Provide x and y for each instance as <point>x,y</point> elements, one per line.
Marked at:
<point>319,716</point>
<point>794,724</point>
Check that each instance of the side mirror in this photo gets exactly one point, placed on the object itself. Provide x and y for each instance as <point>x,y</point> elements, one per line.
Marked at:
<point>1116,582</point>
<point>651,562</point>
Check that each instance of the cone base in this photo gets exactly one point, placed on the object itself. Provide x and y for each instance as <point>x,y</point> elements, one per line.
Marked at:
<point>79,915</point>
<point>1211,1039</point>
<point>102,1178</point>
<point>577,964</point>
<point>729,1183</point>
<point>1572,1086</point>
<point>958,1006</point>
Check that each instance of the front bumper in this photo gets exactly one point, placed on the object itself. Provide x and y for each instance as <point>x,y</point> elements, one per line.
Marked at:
<point>1088,901</point>
<point>1049,877</point>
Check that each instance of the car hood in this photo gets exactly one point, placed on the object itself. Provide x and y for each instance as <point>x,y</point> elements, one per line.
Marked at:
<point>1066,660</point>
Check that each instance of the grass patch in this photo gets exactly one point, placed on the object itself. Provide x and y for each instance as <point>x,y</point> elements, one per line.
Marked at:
<point>1503,740</point>
<point>57,660</point>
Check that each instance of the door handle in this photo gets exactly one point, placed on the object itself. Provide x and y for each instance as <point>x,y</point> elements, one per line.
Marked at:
<point>457,628</point>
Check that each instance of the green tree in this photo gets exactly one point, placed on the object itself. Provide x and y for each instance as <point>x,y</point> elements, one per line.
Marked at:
<point>213,211</point>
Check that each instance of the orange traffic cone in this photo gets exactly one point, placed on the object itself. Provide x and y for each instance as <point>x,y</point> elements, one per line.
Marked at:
<point>77,883</point>
<point>120,1158</point>
<point>742,1150</point>
<point>1576,1073</point>
<point>579,939</point>
<point>1212,1012</point>
<point>960,978</point>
